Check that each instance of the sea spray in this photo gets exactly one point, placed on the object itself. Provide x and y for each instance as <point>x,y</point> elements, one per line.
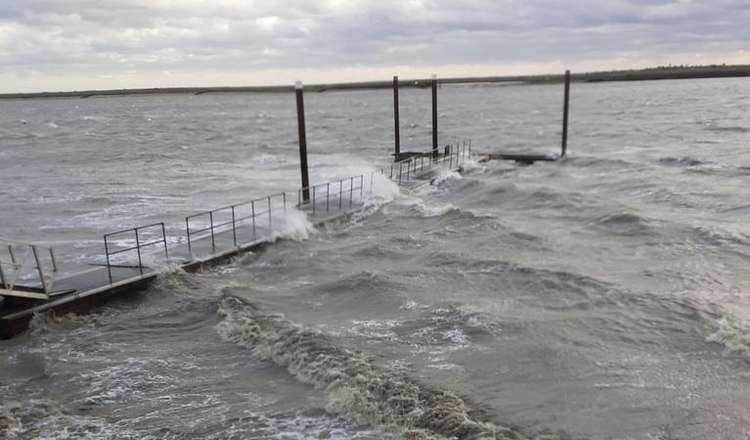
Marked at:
<point>471,166</point>
<point>356,387</point>
<point>733,335</point>
<point>383,190</point>
<point>294,226</point>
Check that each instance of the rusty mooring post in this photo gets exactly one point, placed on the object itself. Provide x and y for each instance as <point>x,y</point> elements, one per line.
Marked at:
<point>566,109</point>
<point>302,141</point>
<point>397,126</point>
<point>435,152</point>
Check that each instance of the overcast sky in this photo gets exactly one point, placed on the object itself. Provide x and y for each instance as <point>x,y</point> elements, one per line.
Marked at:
<point>94,44</point>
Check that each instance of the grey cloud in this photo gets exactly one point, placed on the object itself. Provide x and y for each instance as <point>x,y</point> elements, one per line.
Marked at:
<point>106,35</point>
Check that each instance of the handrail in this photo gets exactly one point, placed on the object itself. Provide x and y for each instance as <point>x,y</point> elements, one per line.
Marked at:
<point>342,189</point>
<point>12,270</point>
<point>408,168</point>
<point>336,193</point>
<point>235,220</point>
<point>138,245</point>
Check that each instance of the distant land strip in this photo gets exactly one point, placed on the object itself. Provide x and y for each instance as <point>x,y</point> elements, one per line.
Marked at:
<point>651,74</point>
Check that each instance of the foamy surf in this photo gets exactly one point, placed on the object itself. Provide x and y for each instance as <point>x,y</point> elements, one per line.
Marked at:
<point>734,336</point>
<point>295,226</point>
<point>356,387</point>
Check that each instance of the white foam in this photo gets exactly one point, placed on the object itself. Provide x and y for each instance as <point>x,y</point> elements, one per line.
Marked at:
<point>356,387</point>
<point>734,335</point>
<point>444,177</point>
<point>374,328</point>
<point>384,190</point>
<point>472,166</point>
<point>428,211</point>
<point>294,226</point>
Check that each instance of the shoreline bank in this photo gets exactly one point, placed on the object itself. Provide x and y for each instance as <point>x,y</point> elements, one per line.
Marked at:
<point>652,74</point>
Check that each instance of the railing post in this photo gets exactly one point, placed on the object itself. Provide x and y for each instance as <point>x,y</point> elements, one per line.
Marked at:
<point>400,171</point>
<point>328,194</point>
<point>190,245</point>
<point>164,237</point>
<point>341,194</point>
<point>372,181</point>
<point>361,187</point>
<point>397,129</point>
<point>12,255</point>
<point>283,197</point>
<point>2,276</point>
<point>434,116</point>
<point>566,109</point>
<point>252,208</point>
<point>313,199</point>
<point>302,140</point>
<point>351,190</point>
<point>39,268</point>
<point>138,248</point>
<point>234,228</point>
<point>106,253</point>
<point>211,220</point>
<point>52,258</point>
<point>270,220</point>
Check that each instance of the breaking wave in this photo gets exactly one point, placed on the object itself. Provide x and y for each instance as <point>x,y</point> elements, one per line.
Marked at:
<point>734,336</point>
<point>356,387</point>
<point>43,419</point>
<point>295,226</point>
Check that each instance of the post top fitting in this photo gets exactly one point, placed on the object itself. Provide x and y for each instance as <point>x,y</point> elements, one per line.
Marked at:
<point>298,85</point>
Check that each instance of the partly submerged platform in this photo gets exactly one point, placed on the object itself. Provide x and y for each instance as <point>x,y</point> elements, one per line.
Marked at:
<point>521,158</point>
<point>135,257</point>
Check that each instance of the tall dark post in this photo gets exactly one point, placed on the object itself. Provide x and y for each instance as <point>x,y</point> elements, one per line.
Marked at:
<point>566,109</point>
<point>434,117</point>
<point>302,141</point>
<point>397,127</point>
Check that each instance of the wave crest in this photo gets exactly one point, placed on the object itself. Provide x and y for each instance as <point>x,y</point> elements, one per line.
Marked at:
<point>356,387</point>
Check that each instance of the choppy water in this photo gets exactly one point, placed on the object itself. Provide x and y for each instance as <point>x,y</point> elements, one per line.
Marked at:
<point>604,297</point>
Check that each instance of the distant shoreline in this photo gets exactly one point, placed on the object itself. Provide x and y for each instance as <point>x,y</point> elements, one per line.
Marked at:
<point>651,74</point>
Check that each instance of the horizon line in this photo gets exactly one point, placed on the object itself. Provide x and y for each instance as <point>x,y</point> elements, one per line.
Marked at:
<point>643,74</point>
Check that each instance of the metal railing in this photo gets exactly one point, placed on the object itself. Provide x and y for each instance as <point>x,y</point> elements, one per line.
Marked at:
<point>24,262</point>
<point>411,168</point>
<point>333,193</point>
<point>247,220</point>
<point>138,234</point>
<point>220,219</point>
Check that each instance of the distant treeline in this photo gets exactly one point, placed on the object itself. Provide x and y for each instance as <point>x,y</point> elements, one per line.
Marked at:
<point>654,73</point>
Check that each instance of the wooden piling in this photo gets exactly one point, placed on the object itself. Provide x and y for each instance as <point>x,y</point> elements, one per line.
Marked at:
<point>302,141</point>
<point>435,152</point>
<point>566,109</point>
<point>397,127</point>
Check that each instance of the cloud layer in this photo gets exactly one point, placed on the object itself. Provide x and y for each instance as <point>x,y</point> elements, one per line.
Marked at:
<point>78,44</point>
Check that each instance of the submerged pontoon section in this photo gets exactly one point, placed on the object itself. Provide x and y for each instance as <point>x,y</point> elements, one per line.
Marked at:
<point>27,270</point>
